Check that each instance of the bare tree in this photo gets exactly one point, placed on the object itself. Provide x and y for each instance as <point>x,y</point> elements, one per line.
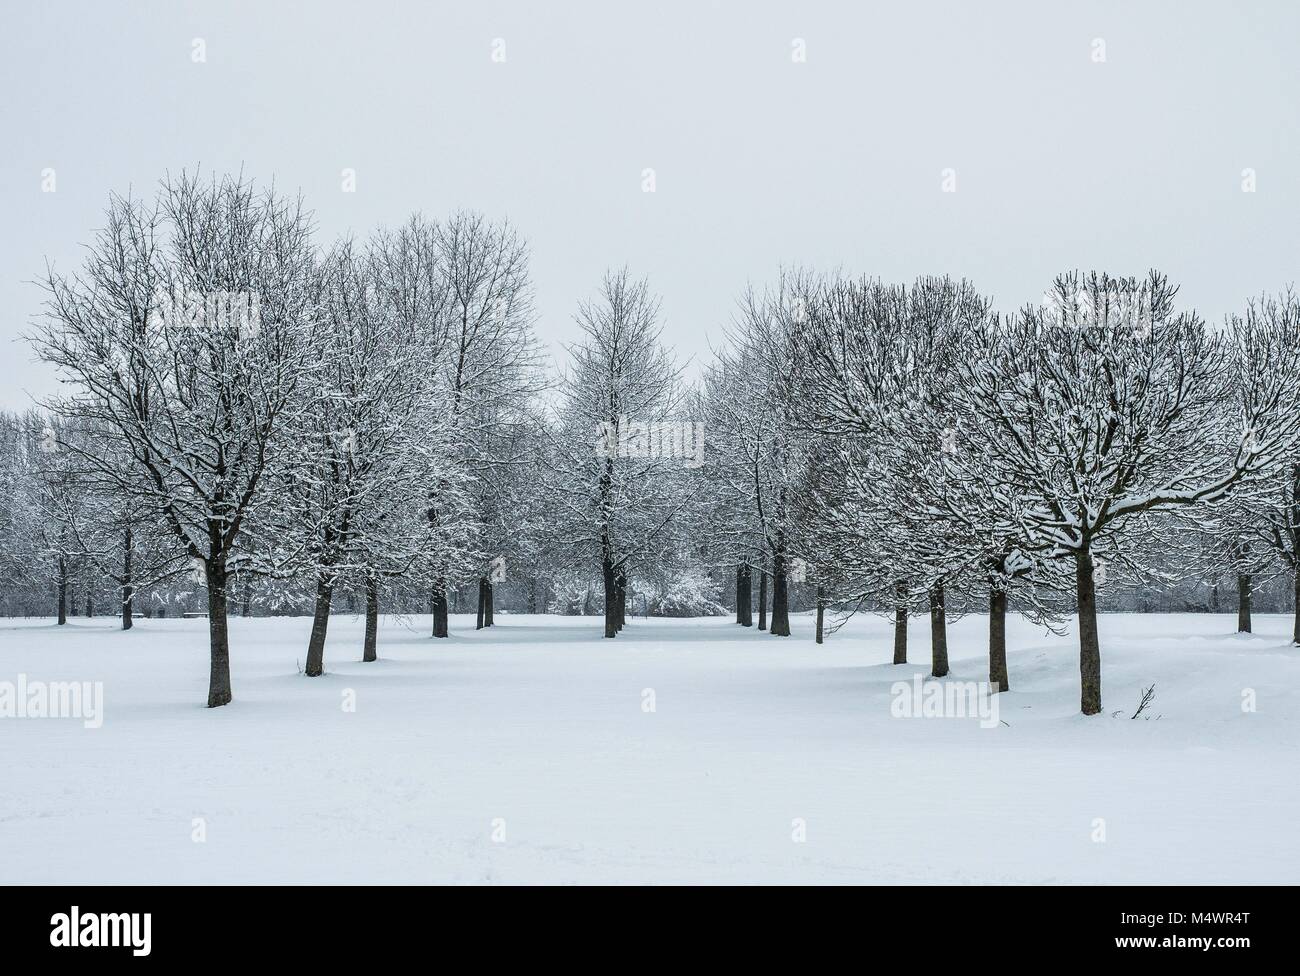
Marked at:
<point>59,489</point>
<point>114,532</point>
<point>755,444</point>
<point>1261,529</point>
<point>1103,408</point>
<point>616,482</point>
<point>491,370</point>
<point>188,334</point>
<point>876,375</point>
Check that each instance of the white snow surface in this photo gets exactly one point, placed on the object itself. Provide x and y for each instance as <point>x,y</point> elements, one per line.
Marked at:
<point>537,727</point>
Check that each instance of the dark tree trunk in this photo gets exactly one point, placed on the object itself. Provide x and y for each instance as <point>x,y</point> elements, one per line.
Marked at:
<point>246,598</point>
<point>998,638</point>
<point>438,601</point>
<point>319,625</point>
<point>218,633</point>
<point>821,611</point>
<point>1089,644</point>
<point>620,583</point>
<point>368,652</point>
<point>90,601</point>
<point>487,602</point>
<point>482,606</point>
<point>747,601</point>
<point>128,591</point>
<point>607,577</point>
<point>900,623</point>
<point>532,595</point>
<point>938,633</point>
<point>762,599</point>
<point>1295,548</point>
<point>63,590</point>
<point>780,592</point>
<point>1243,603</point>
<point>1295,633</point>
<point>740,593</point>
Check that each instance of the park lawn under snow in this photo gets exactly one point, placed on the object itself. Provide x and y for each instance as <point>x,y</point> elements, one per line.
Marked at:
<point>537,728</point>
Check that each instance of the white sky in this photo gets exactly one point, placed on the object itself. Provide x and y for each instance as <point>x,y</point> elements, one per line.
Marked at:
<point>1061,162</point>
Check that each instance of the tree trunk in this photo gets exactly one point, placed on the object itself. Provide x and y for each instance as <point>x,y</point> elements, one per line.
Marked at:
<point>246,598</point>
<point>1243,603</point>
<point>218,634</point>
<point>439,605</point>
<point>128,591</point>
<point>821,611</point>
<point>482,605</point>
<point>1089,645</point>
<point>998,638</point>
<point>607,577</point>
<point>938,632</point>
<point>780,592</point>
<point>1295,634</point>
<point>740,592</point>
<point>63,590</point>
<point>1295,547</point>
<point>319,625</point>
<point>900,623</point>
<point>372,620</point>
<point>762,599</point>
<point>487,602</point>
<point>747,601</point>
<point>532,595</point>
<point>90,601</point>
<point>620,582</point>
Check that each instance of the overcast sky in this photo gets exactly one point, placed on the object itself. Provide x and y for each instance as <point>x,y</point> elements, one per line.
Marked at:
<point>1060,160</point>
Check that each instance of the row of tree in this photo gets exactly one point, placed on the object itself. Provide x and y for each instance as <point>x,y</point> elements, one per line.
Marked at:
<point>910,447</point>
<point>249,412</point>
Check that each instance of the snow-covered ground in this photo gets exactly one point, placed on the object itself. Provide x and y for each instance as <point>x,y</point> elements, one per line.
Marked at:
<point>527,754</point>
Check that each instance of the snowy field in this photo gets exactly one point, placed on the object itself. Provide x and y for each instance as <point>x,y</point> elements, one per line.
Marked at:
<point>524,754</point>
